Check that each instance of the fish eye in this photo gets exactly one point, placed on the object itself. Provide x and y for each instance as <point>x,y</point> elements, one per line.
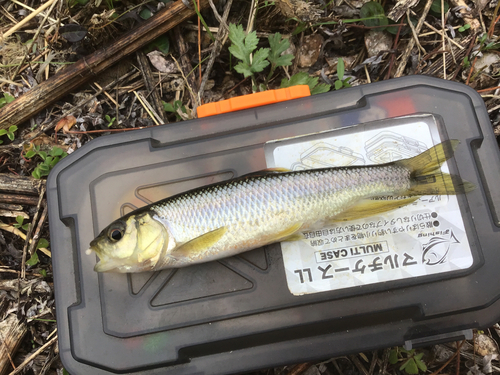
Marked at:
<point>115,234</point>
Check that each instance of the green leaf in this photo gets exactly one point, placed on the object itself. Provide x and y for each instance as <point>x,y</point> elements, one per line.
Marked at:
<point>161,44</point>
<point>42,154</point>
<point>30,154</point>
<point>338,84</point>
<point>3,132</point>
<point>145,14</point>
<point>242,46</point>
<point>8,99</point>
<point>54,162</point>
<point>410,367</point>
<point>320,89</point>
<point>436,7</point>
<point>300,27</point>
<point>340,68</point>
<point>259,61</point>
<point>33,260</point>
<point>244,69</point>
<point>278,46</point>
<point>26,226</point>
<point>372,14</point>
<point>56,151</point>
<point>393,357</point>
<point>43,167</point>
<point>167,107</point>
<point>300,78</point>
<point>20,219</point>
<point>13,128</point>
<point>36,173</point>
<point>65,372</point>
<point>42,243</point>
<point>464,27</point>
<point>421,365</point>
<point>11,136</point>
<point>2,102</point>
<point>44,274</point>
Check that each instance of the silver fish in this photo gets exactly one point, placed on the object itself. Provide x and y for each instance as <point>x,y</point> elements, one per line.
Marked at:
<point>228,218</point>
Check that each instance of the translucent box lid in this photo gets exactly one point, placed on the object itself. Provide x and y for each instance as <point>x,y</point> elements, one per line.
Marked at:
<point>288,303</point>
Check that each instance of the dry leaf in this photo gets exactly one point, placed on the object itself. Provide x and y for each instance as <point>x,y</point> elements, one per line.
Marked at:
<point>161,63</point>
<point>310,49</point>
<point>66,123</point>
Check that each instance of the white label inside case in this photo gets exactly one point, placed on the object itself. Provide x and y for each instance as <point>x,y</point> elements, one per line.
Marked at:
<point>427,237</point>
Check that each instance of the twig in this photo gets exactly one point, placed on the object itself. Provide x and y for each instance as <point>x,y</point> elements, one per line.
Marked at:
<point>10,82</point>
<point>35,37</point>
<point>17,232</point>
<point>30,230</point>
<point>148,109</point>
<point>195,104</point>
<point>148,78</point>
<point>7,351</point>
<point>106,93</point>
<point>33,10</point>
<point>368,79</point>
<point>396,41</point>
<point>30,358</point>
<point>34,241</point>
<point>16,27</point>
<point>442,32</point>
<point>490,89</point>
<point>217,45</point>
<point>471,69</point>
<point>459,67</point>
<point>411,42</point>
<point>450,359</point>
<point>414,32</point>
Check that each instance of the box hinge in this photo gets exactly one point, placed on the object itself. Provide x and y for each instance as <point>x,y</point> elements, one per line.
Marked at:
<point>445,337</point>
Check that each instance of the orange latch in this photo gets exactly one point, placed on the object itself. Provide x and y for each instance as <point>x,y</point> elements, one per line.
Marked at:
<point>253,100</point>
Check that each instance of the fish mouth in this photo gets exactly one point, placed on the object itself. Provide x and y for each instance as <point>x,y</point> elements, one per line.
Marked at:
<point>104,265</point>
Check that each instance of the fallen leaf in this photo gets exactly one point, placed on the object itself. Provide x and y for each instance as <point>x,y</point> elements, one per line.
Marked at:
<point>66,123</point>
<point>310,49</point>
<point>73,33</point>
<point>160,63</point>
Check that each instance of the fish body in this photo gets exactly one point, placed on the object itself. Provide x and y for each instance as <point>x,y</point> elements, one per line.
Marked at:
<point>231,217</point>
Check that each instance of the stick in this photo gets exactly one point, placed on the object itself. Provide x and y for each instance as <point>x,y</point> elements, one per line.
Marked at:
<point>34,241</point>
<point>147,76</point>
<point>73,76</point>
<point>16,27</point>
<point>224,30</point>
<point>28,235</point>
<point>411,42</point>
<point>28,360</point>
<point>9,343</point>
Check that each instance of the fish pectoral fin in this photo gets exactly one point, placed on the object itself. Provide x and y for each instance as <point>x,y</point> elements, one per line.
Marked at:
<point>369,207</point>
<point>289,234</point>
<point>200,244</point>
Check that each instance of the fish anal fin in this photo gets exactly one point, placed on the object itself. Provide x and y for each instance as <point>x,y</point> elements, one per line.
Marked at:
<point>200,244</point>
<point>289,234</point>
<point>370,207</point>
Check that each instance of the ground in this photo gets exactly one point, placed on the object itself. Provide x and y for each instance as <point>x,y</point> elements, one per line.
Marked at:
<point>228,49</point>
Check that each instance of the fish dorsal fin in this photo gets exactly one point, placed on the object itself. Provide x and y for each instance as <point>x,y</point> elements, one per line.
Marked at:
<point>200,244</point>
<point>265,172</point>
<point>369,207</point>
<point>289,234</point>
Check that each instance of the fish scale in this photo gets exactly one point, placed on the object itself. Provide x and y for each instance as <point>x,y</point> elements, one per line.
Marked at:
<point>253,208</point>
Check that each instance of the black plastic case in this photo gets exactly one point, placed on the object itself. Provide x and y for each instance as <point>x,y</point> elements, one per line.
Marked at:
<point>238,314</point>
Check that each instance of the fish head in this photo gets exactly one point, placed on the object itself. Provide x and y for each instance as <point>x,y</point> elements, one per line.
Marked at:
<point>131,244</point>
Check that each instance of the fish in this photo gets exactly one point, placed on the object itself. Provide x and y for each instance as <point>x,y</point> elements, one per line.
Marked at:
<point>227,218</point>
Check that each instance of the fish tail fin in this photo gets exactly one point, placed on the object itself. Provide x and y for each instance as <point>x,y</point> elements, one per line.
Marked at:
<point>426,176</point>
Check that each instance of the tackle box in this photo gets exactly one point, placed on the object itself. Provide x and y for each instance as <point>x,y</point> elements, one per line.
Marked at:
<point>422,274</point>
